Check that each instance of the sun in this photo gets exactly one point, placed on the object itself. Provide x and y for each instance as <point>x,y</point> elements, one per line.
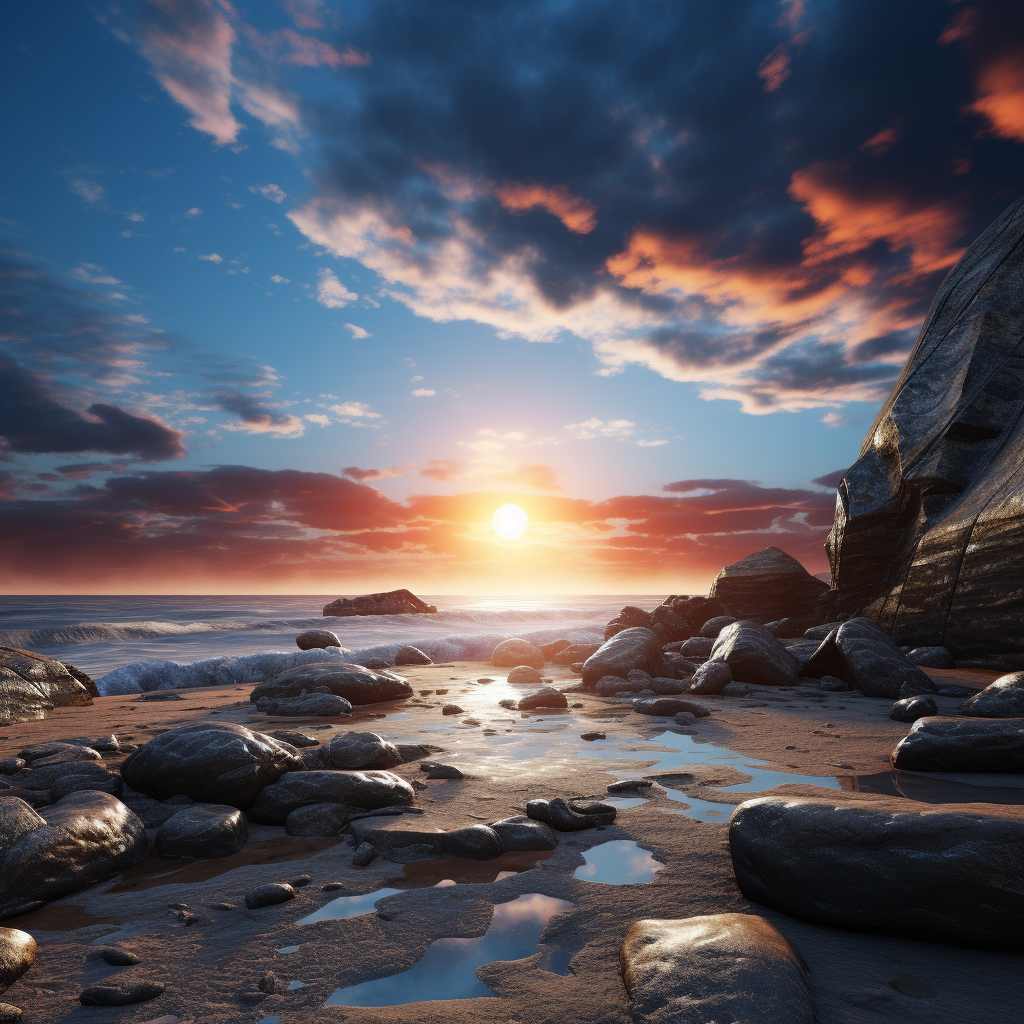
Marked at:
<point>509,522</point>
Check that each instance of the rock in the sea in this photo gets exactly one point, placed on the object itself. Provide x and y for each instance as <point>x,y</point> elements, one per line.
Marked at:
<point>714,626</point>
<point>571,815</point>
<point>367,790</point>
<point>729,968</point>
<point>319,819</point>
<point>574,653</point>
<point>524,675</point>
<point>81,840</point>
<point>17,955</point>
<point>125,994</point>
<point>768,585</point>
<point>316,638</point>
<point>356,684</point>
<point>203,830</point>
<point>510,653</point>
<point>520,834</point>
<point>1003,698</point>
<point>958,745</point>
<point>549,697</point>
<point>931,657</point>
<point>213,762</point>
<point>412,656</point>
<point>934,875</point>
<point>269,895</point>
<point>306,705</point>
<point>754,655</point>
<point>711,677</point>
<point>669,706</point>
<point>634,647</point>
<point>32,684</point>
<point>912,708</point>
<point>393,602</point>
<point>357,750</point>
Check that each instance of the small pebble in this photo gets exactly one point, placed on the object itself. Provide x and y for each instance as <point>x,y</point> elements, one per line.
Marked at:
<point>332,886</point>
<point>269,983</point>
<point>300,881</point>
<point>441,693</point>
<point>222,906</point>
<point>593,736</point>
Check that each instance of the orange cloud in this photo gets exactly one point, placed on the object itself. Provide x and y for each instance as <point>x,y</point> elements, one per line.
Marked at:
<point>543,478</point>
<point>881,141</point>
<point>774,69</point>
<point>1001,97</point>
<point>576,213</point>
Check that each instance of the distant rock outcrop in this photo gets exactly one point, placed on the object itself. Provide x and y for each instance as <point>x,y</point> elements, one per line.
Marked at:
<point>394,602</point>
<point>32,684</point>
<point>768,585</point>
<point>928,538</point>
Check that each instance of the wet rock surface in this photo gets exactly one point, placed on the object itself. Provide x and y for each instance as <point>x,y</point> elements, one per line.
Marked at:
<point>368,790</point>
<point>319,819</point>
<point>316,638</point>
<point>548,697</point>
<point>711,677</point>
<point>391,602</point>
<point>912,708</point>
<point>721,967</point>
<point>939,875</point>
<point>125,994</point>
<point>17,955</point>
<point>571,815</point>
<point>305,705</point>
<point>768,585</point>
<point>521,833</point>
<point>958,745</point>
<point>204,830</point>
<point>1002,699</point>
<point>635,647</point>
<point>355,750</point>
<point>510,653</point>
<point>931,657</point>
<point>668,706</point>
<point>754,655</point>
<point>269,895</point>
<point>524,675</point>
<point>411,656</point>
<point>477,842</point>
<point>358,685</point>
<point>32,684</point>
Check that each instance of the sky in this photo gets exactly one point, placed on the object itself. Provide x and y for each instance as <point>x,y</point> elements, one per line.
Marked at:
<point>296,294</point>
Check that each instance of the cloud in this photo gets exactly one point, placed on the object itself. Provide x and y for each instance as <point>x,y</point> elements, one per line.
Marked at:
<point>318,418</point>
<point>212,257</point>
<point>358,333</point>
<point>363,475</point>
<point>278,279</point>
<point>358,409</point>
<point>331,292</point>
<point>82,470</point>
<point>652,444</point>
<point>835,419</point>
<point>90,191</point>
<point>423,392</point>
<point>442,469</point>
<point>598,428</point>
<point>289,46</point>
<point>193,213</point>
<point>270,191</point>
<point>257,418</point>
<point>577,214</point>
<point>542,478</point>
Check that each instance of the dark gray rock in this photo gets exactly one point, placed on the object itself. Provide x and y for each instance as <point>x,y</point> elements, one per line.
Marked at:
<point>367,790</point>
<point>521,834</point>
<point>296,739</point>
<point>734,968</point>
<point>392,602</point>
<point>571,815</point>
<point>214,762</point>
<point>17,955</point>
<point>668,706</point>
<point>548,697</point>
<point>105,744</point>
<point>934,875</point>
<point>711,677</point>
<point>958,745</point>
<point>697,647</point>
<point>768,585</point>
<point>634,647</point>
<point>820,632</point>
<point>833,684</point>
<point>40,752</point>
<point>1003,698</point>
<point>436,770</point>
<point>363,855</point>
<point>754,655</point>
<point>152,813</point>
<point>669,687</point>
<point>931,657</point>
<point>117,957</point>
<point>358,685</point>
<point>608,686</point>
<point>319,819</point>
<point>412,656</point>
<point>453,709</point>
<point>12,765</point>
<point>305,705</point>
<point>316,638</point>
<point>355,750</point>
<point>574,653</point>
<point>788,628</point>
<point>32,684</point>
<point>912,708</point>
<point>477,842</point>
<point>269,895</point>
<point>714,626</point>
<point>203,830</point>
<point>125,994</point>
<point>85,838</point>
<point>735,689</point>
<point>913,690</point>
<point>73,782</point>
<point>957,691</point>
<point>590,736</point>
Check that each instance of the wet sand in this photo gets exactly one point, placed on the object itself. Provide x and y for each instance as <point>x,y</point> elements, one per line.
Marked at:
<point>839,744</point>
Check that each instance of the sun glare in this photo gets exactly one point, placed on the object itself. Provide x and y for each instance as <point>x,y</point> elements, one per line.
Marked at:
<point>509,522</point>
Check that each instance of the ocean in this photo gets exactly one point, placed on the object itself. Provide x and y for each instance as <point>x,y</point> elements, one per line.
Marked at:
<point>131,644</point>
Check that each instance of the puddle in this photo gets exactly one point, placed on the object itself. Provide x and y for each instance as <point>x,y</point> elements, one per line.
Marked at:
<point>290,949</point>
<point>58,918</point>
<point>354,906</point>
<point>930,790</point>
<point>623,803</point>
<point>447,970</point>
<point>154,871</point>
<point>293,985</point>
<point>620,862</point>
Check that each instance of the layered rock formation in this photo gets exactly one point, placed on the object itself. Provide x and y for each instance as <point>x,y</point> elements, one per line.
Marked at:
<point>32,684</point>
<point>768,585</point>
<point>393,602</point>
<point>928,536</point>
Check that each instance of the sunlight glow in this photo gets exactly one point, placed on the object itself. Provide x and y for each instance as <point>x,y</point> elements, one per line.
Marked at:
<point>509,522</point>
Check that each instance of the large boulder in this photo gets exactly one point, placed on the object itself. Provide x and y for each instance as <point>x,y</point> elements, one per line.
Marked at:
<point>213,762</point>
<point>203,830</point>
<point>928,535</point>
<point>574,653</point>
<point>962,745</point>
<point>363,750</point>
<point>393,602</point>
<point>367,790</point>
<point>633,647</point>
<point>723,967</point>
<point>83,839</point>
<point>754,655</point>
<point>768,585</point>
<point>32,684</point>
<point>513,652</point>
<point>358,685</point>
<point>935,875</point>
<point>1002,699</point>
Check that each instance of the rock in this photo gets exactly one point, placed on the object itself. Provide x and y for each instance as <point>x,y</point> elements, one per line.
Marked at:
<point>412,656</point>
<point>695,611</point>
<point>79,841</point>
<point>613,628</point>
<point>296,739</point>
<point>549,697</point>
<point>912,708</point>
<point>121,995</point>
<point>635,647</point>
<point>17,955</point>
<point>358,685</point>
<point>363,750</point>
<point>452,709</point>
<point>119,957</point>
<point>736,690</point>
<point>608,686</point>
<point>832,684</point>
<point>958,745</point>
<point>571,815</point>
<point>300,880</point>
<point>633,616</point>
<point>367,790</point>
<point>12,765</point>
<point>436,770</point>
<point>722,967</point>
<point>668,706</point>
<point>521,834</point>
<point>316,638</point>
<point>9,1014</point>
<point>714,626</point>
<point>630,786</point>
<point>767,585</point>
<point>574,653</point>
<point>269,895</point>
<point>414,751</point>
<point>820,632</point>
<point>43,751</point>
<point>204,830</point>
<point>934,875</point>
<point>684,718</point>
<point>377,663</point>
<point>912,690</point>
<point>393,602</point>
<point>477,842</point>
<point>668,687</point>
<point>697,647</point>
<point>363,855</point>
<point>270,984</point>
<point>32,684</point>
<point>553,648</point>
<point>957,691</point>
<point>787,628</point>
<point>306,705</point>
<point>73,782</point>
<point>1003,698</point>
<point>590,736</point>
<point>106,744</point>
<point>524,675</point>
<point>931,657</point>
<point>754,655</point>
<point>711,677</point>
<point>676,628</point>
<point>213,762</point>
<point>511,705</point>
<point>319,819</point>
<point>510,653</point>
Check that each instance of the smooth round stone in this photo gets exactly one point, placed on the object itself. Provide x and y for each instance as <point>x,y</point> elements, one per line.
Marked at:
<point>451,709</point>
<point>316,638</point>
<point>12,765</point>
<point>412,656</point>
<point>711,677</point>
<point>912,708</point>
<point>73,782</point>
<point>525,675</point>
<point>269,895</point>
<point>549,697</point>
<point>510,653</point>
<point>203,830</point>
<point>121,995</point>
<point>17,955</point>
<point>119,957</point>
<point>356,750</point>
<point>436,770</point>
<point>9,1014</point>
<point>931,657</point>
